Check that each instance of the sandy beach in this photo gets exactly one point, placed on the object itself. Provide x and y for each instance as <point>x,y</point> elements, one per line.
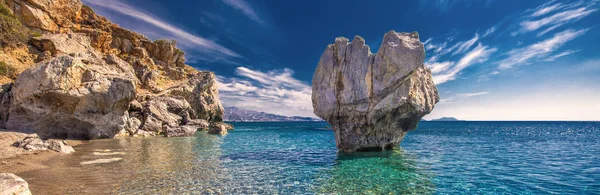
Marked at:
<point>17,160</point>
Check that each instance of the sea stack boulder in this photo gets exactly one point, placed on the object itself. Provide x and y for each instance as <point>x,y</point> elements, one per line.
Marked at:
<point>373,100</point>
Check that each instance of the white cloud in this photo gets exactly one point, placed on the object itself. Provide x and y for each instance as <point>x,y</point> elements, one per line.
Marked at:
<point>438,67</point>
<point>561,54</point>
<point>473,94</point>
<point>568,13</point>
<point>183,37</point>
<point>478,54</point>
<point>462,47</point>
<point>437,48</point>
<point>546,8</point>
<point>274,92</point>
<point>539,50</point>
<point>245,8</point>
<point>489,31</point>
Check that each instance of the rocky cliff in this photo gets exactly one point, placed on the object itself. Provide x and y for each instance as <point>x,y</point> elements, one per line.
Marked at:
<point>372,100</point>
<point>73,74</point>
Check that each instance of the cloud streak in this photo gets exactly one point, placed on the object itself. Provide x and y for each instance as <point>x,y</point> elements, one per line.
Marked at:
<point>245,8</point>
<point>557,15</point>
<point>448,70</point>
<point>274,92</point>
<point>473,94</point>
<point>183,37</point>
<point>540,50</point>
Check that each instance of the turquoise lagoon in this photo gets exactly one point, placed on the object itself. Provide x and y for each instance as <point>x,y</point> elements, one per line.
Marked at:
<point>301,158</point>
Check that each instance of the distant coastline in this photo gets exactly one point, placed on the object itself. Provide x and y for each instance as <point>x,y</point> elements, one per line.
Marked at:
<point>235,114</point>
<point>447,119</point>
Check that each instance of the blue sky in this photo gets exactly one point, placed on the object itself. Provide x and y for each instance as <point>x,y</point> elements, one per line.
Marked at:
<point>491,59</point>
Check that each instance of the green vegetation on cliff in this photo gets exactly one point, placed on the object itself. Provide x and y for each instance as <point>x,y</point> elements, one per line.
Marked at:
<point>11,30</point>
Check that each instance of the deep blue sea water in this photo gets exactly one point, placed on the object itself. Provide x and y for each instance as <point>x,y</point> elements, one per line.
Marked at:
<point>301,158</point>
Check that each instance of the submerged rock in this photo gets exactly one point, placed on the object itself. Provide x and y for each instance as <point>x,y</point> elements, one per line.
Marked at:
<point>218,128</point>
<point>13,185</point>
<point>372,100</point>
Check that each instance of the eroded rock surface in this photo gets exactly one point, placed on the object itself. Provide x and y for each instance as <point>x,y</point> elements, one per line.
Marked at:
<point>372,100</point>
<point>78,96</point>
<point>34,143</point>
<point>86,78</point>
<point>219,128</point>
<point>13,185</point>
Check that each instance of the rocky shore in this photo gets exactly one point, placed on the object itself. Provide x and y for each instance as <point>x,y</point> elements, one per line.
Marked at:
<point>86,78</point>
<point>67,73</point>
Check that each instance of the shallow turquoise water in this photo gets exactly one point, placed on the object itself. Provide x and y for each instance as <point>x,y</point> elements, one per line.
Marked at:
<point>301,158</point>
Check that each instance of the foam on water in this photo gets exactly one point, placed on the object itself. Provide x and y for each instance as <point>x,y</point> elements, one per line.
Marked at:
<point>100,161</point>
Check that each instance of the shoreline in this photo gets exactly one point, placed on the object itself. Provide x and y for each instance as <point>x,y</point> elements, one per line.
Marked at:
<point>18,160</point>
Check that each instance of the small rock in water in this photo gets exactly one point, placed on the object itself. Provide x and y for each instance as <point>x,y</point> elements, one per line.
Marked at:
<point>12,184</point>
<point>100,161</point>
<point>219,128</point>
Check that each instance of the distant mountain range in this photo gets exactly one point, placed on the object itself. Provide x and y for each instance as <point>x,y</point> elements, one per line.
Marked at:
<point>234,114</point>
<point>446,119</point>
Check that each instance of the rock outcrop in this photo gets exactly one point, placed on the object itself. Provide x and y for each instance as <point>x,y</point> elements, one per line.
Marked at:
<point>373,100</point>
<point>34,143</point>
<point>78,96</point>
<point>219,128</point>
<point>5,100</point>
<point>92,79</point>
<point>13,185</point>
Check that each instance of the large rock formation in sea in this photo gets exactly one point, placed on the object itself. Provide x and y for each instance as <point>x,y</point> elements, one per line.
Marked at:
<point>373,100</point>
<point>76,75</point>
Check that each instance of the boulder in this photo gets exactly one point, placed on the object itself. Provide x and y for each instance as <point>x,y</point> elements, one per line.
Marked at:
<point>164,113</point>
<point>13,185</point>
<point>46,15</point>
<point>373,100</point>
<point>217,128</point>
<point>201,92</point>
<point>91,74</point>
<point>226,125</point>
<point>5,100</point>
<point>180,131</point>
<point>34,143</point>
<point>76,96</point>
<point>198,123</point>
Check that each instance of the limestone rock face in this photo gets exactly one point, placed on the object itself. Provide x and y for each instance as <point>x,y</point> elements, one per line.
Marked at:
<point>161,113</point>
<point>202,94</point>
<point>77,96</point>
<point>180,131</point>
<point>5,100</point>
<point>89,78</point>
<point>13,185</point>
<point>372,100</point>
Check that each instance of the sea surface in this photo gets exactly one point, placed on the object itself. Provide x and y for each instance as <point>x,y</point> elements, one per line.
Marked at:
<point>301,158</point>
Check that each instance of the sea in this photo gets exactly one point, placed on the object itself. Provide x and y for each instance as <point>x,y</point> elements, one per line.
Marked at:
<point>301,158</point>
